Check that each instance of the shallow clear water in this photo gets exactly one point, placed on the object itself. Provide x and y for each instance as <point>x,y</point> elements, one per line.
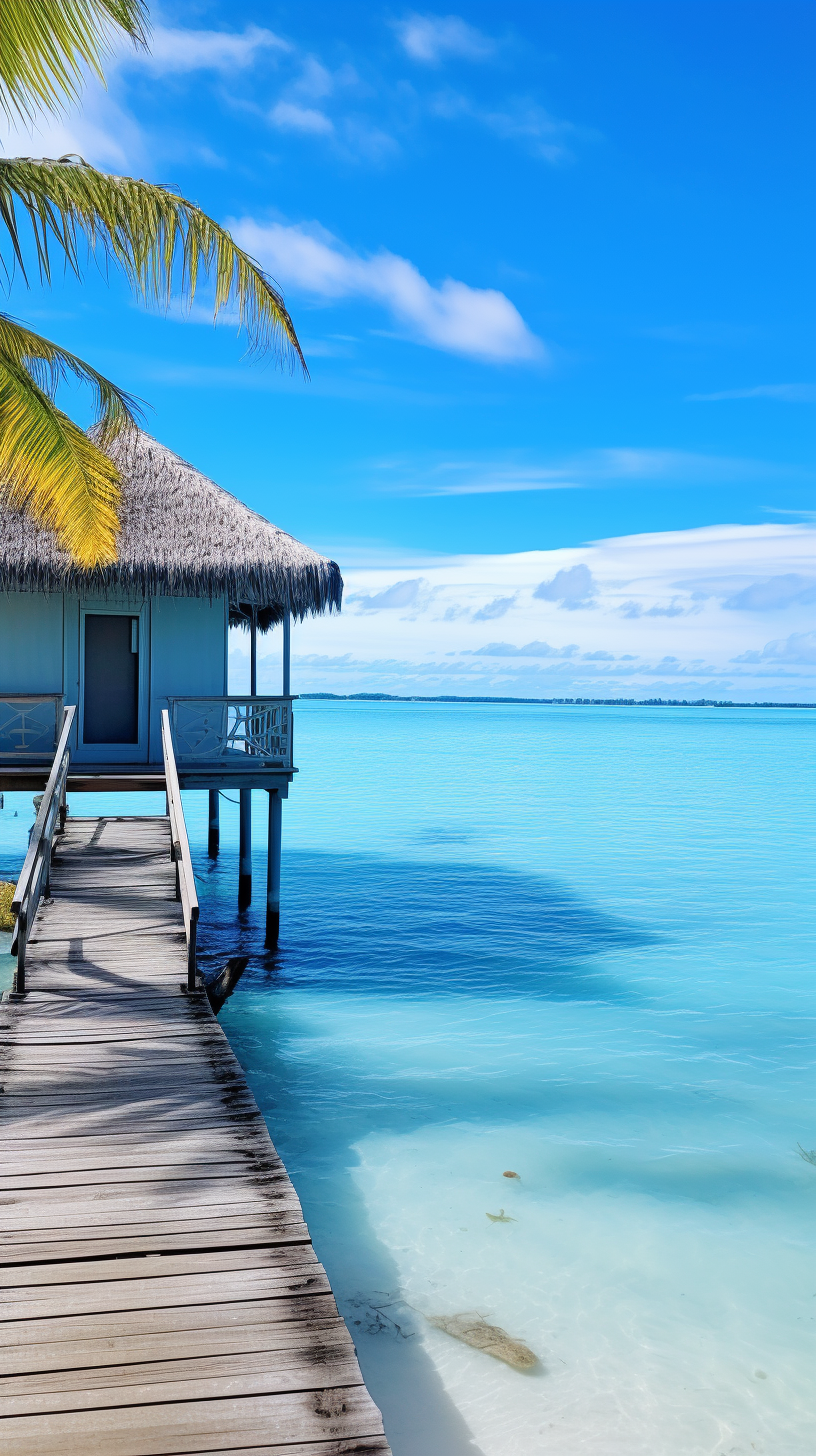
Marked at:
<point>576,944</point>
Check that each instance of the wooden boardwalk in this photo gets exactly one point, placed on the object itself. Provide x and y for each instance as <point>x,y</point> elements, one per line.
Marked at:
<point>161,1293</point>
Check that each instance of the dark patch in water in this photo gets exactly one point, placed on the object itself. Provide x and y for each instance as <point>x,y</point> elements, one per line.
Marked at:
<point>369,923</point>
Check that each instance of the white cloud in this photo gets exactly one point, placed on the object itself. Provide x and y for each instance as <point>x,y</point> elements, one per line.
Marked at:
<point>100,131</point>
<point>492,610</point>
<point>572,588</point>
<point>402,594</point>
<point>774,594</point>
<point>422,628</point>
<point>790,393</point>
<point>479,322</point>
<point>531,649</point>
<point>288,116</point>
<point>799,648</point>
<point>430,38</point>
<point>177,50</point>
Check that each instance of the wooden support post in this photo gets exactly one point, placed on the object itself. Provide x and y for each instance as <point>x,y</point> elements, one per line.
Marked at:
<point>273,869</point>
<point>213,828</point>
<point>286,687</point>
<point>245,850</point>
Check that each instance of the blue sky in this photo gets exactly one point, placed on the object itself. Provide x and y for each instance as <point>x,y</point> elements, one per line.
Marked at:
<point>551,265</point>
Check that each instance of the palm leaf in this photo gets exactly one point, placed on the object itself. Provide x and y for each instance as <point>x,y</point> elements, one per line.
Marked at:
<point>162,242</point>
<point>48,466</point>
<point>47,45</point>
<point>50,365</point>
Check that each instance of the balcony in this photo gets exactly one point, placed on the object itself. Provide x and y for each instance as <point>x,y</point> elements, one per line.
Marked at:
<point>245,741</point>
<point>235,733</point>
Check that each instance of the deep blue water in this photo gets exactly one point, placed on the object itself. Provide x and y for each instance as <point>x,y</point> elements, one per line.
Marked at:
<point>576,944</point>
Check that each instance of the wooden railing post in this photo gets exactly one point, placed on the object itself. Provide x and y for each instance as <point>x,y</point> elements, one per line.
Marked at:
<point>35,876</point>
<point>180,854</point>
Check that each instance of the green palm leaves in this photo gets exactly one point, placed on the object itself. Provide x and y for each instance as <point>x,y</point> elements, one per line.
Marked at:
<point>48,464</point>
<point>46,44</point>
<point>164,244</point>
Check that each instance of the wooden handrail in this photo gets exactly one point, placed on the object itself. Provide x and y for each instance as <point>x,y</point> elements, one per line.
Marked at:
<point>180,851</point>
<point>36,872</point>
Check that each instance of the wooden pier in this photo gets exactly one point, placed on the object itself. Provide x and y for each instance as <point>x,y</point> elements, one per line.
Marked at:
<point>161,1294</point>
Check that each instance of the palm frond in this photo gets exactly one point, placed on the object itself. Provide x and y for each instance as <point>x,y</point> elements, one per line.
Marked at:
<point>47,45</point>
<point>48,466</point>
<point>50,365</point>
<point>163,243</point>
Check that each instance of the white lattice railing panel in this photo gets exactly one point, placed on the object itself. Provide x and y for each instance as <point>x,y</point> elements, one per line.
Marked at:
<point>245,731</point>
<point>29,726</point>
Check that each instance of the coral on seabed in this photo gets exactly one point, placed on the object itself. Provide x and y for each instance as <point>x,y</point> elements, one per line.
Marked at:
<point>6,896</point>
<point>475,1331</point>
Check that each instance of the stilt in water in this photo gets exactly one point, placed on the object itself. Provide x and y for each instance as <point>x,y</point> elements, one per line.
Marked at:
<point>213,831</point>
<point>245,795</point>
<point>273,868</point>
<point>245,850</point>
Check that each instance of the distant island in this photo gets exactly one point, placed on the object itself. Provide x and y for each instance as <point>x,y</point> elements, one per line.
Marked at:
<point>584,702</point>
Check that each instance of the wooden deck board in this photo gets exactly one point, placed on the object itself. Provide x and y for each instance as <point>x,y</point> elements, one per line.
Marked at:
<point>161,1292</point>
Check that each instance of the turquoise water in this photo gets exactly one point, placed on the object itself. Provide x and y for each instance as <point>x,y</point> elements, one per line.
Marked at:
<point>576,944</point>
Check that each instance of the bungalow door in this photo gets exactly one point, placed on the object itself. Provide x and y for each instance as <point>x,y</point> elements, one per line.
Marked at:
<point>113,684</point>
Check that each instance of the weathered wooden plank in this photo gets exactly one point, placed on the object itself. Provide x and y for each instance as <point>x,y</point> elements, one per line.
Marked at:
<point>59,1301</point>
<point>238,1169</point>
<point>180,1194</point>
<point>223,1233</point>
<point>104,1217</point>
<point>121,1149</point>
<point>277,1256</point>
<point>302,1359</point>
<point>100,1339</point>
<point>212,1425</point>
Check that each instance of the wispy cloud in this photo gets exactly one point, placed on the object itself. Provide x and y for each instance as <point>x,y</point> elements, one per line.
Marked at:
<point>789,393</point>
<point>526,122</point>
<point>519,120</point>
<point>289,116</point>
<point>174,50</point>
<point>587,469</point>
<point>429,39</point>
<point>479,322</point>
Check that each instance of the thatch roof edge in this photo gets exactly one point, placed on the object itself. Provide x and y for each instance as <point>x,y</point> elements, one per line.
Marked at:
<point>309,589</point>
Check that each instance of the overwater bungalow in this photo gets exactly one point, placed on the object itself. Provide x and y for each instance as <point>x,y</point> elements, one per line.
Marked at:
<point>132,1145</point>
<point>149,634</point>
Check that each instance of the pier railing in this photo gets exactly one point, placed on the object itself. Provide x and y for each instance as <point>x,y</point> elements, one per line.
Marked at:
<point>35,876</point>
<point>29,725</point>
<point>180,851</point>
<point>250,732</point>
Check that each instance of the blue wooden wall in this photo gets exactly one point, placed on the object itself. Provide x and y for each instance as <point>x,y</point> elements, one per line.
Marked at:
<point>185,640</point>
<point>30,643</point>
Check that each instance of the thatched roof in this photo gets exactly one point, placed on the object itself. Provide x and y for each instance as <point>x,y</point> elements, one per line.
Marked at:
<point>181,535</point>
